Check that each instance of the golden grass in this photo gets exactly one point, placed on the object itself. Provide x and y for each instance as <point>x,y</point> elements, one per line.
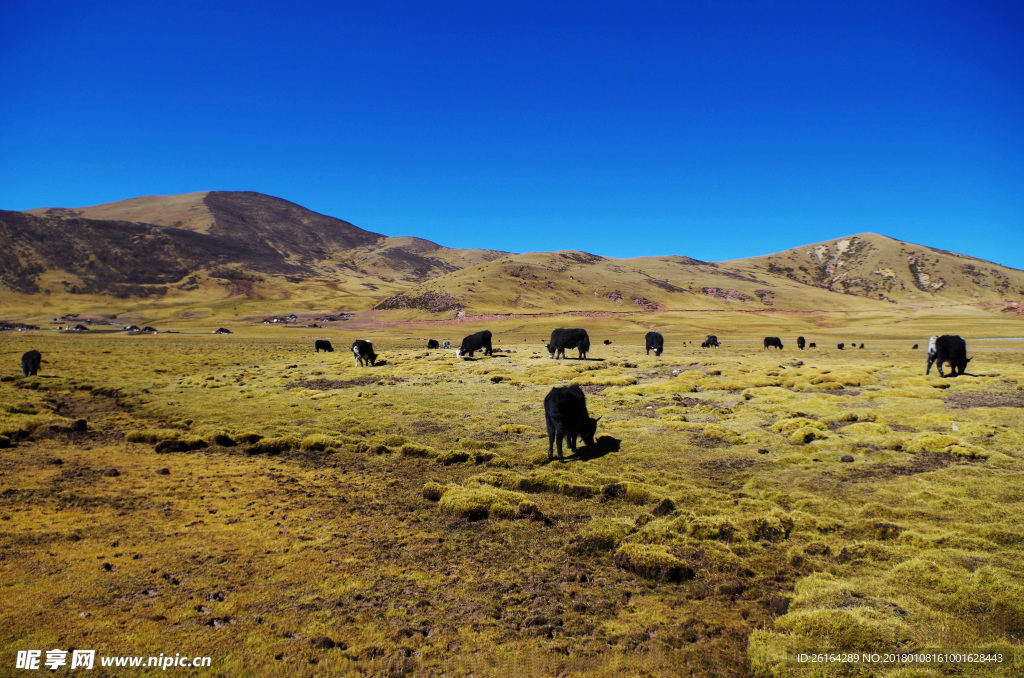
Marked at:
<point>408,511</point>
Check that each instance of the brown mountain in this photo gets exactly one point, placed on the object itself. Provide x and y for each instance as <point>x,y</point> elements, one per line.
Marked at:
<point>273,229</point>
<point>137,247</point>
<point>858,272</point>
<point>102,256</point>
<point>227,245</point>
<point>879,267</point>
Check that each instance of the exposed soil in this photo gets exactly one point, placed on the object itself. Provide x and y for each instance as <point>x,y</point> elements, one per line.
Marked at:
<point>968,399</point>
<point>918,463</point>
<point>330,384</point>
<point>706,443</point>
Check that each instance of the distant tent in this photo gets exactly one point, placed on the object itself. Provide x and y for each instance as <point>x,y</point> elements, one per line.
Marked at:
<point>221,330</point>
<point>147,328</point>
<point>80,328</point>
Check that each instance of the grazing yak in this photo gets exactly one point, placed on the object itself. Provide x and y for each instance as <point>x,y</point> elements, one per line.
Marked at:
<point>773,341</point>
<point>840,346</point>
<point>655,341</point>
<point>812,345</point>
<point>862,345</point>
<point>433,343</point>
<point>362,350</point>
<point>710,341</point>
<point>800,343</point>
<point>446,344</point>
<point>322,345</point>
<point>915,347</point>
<point>948,348</point>
<point>607,341</point>
<point>565,413</point>
<point>563,338</point>
<point>475,342</point>
<point>30,362</point>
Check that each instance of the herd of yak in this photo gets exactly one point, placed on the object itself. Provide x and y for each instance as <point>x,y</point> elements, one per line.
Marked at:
<point>943,349</point>
<point>565,408</point>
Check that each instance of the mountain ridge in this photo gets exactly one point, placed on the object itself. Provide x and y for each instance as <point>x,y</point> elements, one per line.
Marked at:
<point>215,245</point>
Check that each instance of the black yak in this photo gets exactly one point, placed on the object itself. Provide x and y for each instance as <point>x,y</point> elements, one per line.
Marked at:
<point>475,342</point>
<point>654,341</point>
<point>563,338</point>
<point>362,350</point>
<point>948,348</point>
<point>30,362</point>
<point>565,413</point>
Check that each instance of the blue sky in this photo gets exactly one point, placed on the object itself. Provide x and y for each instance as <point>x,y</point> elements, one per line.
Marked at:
<point>715,130</point>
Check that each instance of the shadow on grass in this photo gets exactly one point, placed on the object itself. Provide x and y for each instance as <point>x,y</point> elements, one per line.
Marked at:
<point>602,446</point>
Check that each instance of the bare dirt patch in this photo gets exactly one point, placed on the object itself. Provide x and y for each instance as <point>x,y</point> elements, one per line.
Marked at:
<point>428,427</point>
<point>968,399</point>
<point>918,463</point>
<point>330,384</point>
<point>707,442</point>
<point>831,391</point>
<point>727,465</point>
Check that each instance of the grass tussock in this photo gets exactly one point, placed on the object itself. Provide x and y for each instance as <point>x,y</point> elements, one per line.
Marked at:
<point>478,503</point>
<point>652,562</point>
<point>152,436</point>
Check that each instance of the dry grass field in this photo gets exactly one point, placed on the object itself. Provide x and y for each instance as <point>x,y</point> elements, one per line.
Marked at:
<point>289,513</point>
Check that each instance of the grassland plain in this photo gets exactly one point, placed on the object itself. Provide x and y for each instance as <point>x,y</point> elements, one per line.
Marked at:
<point>289,513</point>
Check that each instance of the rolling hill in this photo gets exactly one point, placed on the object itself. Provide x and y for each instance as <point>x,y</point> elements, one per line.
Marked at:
<point>212,245</point>
<point>876,266</point>
<point>249,249</point>
<point>278,233</point>
<point>859,272</point>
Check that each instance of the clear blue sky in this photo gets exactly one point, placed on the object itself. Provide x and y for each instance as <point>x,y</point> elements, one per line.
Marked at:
<point>714,129</point>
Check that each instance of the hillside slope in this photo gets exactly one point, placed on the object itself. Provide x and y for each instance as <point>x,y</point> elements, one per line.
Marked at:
<point>217,245</point>
<point>576,281</point>
<point>281,230</point>
<point>876,266</point>
<point>90,256</point>
<point>859,272</point>
<point>226,235</point>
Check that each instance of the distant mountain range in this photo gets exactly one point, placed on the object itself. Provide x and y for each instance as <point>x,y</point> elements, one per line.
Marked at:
<point>220,245</point>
